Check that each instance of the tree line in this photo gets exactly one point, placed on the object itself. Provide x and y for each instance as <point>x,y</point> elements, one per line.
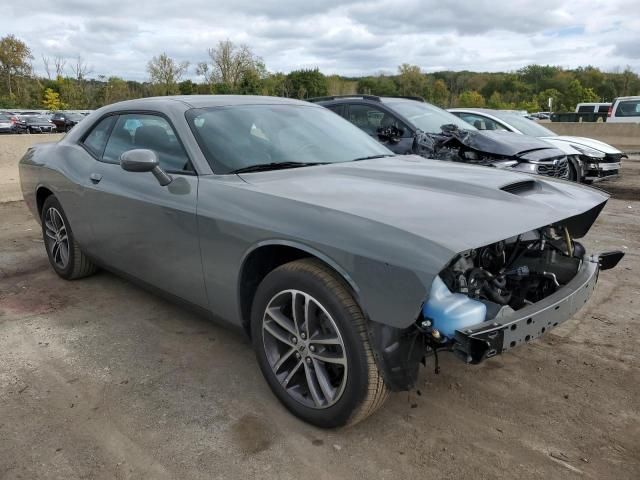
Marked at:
<point>229,68</point>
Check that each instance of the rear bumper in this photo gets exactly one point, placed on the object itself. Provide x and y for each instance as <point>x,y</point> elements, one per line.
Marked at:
<point>487,339</point>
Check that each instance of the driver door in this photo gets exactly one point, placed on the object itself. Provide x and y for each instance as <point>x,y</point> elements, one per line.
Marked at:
<point>140,227</point>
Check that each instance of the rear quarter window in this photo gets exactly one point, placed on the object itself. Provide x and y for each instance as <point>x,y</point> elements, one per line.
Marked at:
<point>97,138</point>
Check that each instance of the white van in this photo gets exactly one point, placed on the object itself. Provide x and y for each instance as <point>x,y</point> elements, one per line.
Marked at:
<point>593,107</point>
<point>625,110</point>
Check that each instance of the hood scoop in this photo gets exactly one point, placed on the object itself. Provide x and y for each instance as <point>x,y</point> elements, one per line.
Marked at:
<point>520,188</point>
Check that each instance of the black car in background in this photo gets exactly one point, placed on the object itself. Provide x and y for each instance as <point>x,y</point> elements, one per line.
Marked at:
<point>410,125</point>
<point>33,124</point>
<point>66,121</point>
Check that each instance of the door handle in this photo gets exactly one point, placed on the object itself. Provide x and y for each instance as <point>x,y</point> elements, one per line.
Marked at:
<point>95,177</point>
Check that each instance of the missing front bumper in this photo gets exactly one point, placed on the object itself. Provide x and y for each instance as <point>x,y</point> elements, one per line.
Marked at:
<point>491,338</point>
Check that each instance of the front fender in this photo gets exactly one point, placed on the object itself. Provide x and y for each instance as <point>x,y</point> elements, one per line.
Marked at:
<point>386,294</point>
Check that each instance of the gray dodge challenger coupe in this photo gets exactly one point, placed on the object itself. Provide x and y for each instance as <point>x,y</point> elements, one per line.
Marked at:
<point>346,264</point>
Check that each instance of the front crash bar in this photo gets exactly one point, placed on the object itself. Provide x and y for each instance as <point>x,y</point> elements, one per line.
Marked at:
<point>490,338</point>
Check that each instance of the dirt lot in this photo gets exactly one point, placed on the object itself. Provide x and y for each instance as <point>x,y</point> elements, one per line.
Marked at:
<point>12,147</point>
<point>99,379</point>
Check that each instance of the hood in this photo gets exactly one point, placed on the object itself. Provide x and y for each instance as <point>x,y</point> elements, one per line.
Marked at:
<point>566,147</point>
<point>587,142</point>
<point>454,205</point>
<point>506,144</point>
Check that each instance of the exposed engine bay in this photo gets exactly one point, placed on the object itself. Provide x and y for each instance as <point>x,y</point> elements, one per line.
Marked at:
<point>519,271</point>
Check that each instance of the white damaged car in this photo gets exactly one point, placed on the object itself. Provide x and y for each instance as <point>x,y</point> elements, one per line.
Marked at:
<point>590,160</point>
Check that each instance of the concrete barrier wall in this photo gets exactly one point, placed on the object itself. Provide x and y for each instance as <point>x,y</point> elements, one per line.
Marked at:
<point>12,148</point>
<point>625,136</point>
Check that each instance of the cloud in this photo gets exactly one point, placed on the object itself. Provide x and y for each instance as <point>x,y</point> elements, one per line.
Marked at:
<point>346,37</point>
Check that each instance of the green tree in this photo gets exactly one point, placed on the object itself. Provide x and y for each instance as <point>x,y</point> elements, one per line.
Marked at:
<point>186,87</point>
<point>51,100</point>
<point>251,83</point>
<point>439,93</point>
<point>71,93</point>
<point>14,60</point>
<point>337,85</point>
<point>411,80</point>
<point>308,83</point>
<point>542,99</point>
<point>165,73</point>
<point>471,99</point>
<point>380,85</point>
<point>495,101</point>
<point>115,90</point>
<point>277,84</point>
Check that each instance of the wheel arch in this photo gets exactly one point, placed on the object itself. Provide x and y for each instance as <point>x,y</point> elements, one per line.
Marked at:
<point>265,257</point>
<point>42,193</point>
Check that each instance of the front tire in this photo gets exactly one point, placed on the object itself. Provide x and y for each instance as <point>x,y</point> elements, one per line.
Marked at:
<point>573,173</point>
<point>64,253</point>
<point>310,338</point>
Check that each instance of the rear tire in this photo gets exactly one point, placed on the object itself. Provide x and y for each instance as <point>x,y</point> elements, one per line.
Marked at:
<point>64,253</point>
<point>310,338</point>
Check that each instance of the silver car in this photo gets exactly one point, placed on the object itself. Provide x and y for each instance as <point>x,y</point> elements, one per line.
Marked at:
<point>346,264</point>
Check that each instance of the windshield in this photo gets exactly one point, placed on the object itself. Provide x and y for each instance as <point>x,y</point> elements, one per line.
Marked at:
<point>426,117</point>
<point>74,117</point>
<point>526,126</point>
<point>238,137</point>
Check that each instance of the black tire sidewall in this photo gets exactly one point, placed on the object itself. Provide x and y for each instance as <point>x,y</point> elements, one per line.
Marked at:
<point>573,173</point>
<point>357,374</point>
<point>66,272</point>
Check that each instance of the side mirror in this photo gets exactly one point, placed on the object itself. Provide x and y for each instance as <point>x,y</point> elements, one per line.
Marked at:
<point>142,160</point>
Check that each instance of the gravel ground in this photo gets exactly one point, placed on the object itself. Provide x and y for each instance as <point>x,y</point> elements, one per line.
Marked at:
<point>100,379</point>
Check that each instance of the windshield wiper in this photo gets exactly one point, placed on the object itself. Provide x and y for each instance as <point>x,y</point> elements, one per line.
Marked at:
<point>263,167</point>
<point>372,157</point>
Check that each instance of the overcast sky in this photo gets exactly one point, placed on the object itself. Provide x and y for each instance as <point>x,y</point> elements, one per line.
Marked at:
<point>346,37</point>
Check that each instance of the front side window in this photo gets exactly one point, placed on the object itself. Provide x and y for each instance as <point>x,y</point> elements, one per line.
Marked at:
<point>97,138</point>
<point>628,108</point>
<point>371,119</point>
<point>237,137</point>
<point>480,122</point>
<point>426,117</point>
<point>339,109</point>
<point>523,125</point>
<point>151,132</point>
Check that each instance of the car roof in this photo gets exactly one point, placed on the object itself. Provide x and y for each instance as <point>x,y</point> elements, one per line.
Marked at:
<point>471,109</point>
<point>204,101</point>
<point>365,98</point>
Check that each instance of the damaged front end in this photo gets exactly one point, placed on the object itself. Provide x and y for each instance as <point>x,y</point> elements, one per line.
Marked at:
<point>494,149</point>
<point>489,300</point>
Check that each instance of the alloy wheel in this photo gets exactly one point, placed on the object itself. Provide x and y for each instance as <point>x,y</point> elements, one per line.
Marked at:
<point>56,237</point>
<point>304,348</point>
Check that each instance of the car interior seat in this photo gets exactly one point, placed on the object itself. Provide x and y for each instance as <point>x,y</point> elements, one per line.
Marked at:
<point>156,138</point>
